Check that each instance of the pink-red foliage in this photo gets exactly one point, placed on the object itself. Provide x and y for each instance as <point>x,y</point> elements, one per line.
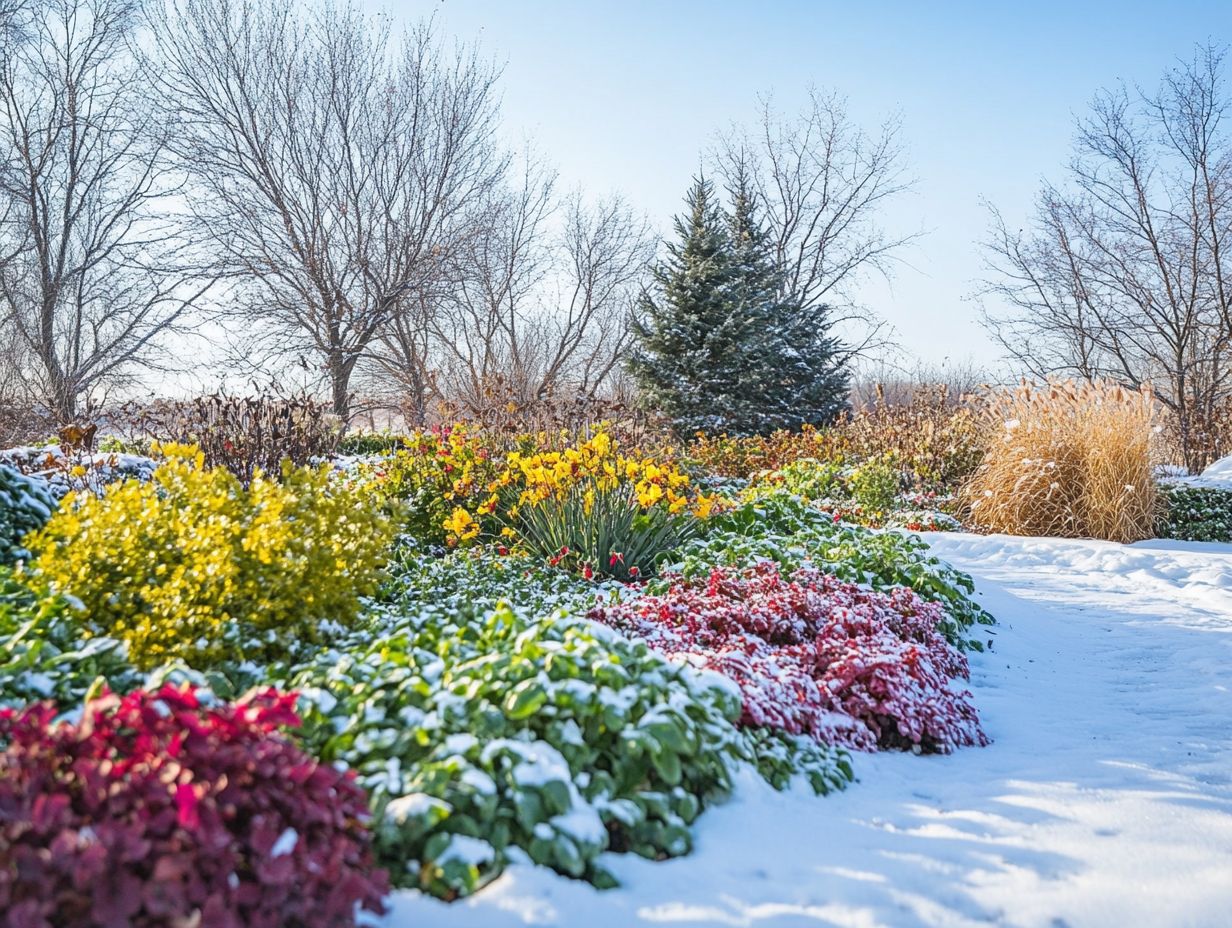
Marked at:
<point>815,655</point>
<point>155,810</point>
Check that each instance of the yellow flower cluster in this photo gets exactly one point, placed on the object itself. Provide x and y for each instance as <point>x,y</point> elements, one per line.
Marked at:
<point>596,465</point>
<point>193,565</point>
<point>438,477</point>
<point>461,526</point>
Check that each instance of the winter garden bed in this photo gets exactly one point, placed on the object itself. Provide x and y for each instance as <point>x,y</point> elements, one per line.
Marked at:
<point>466,633</point>
<point>475,656</point>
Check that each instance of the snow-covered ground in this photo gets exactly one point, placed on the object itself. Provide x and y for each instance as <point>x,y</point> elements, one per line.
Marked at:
<point>1218,475</point>
<point>1106,798</point>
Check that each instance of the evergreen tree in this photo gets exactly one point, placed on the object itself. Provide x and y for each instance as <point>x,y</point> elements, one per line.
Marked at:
<point>689,342</point>
<point>719,347</point>
<point>798,369</point>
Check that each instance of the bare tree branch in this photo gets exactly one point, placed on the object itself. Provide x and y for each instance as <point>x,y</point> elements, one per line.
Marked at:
<point>94,268</point>
<point>1124,273</point>
<point>538,299</point>
<point>822,181</point>
<point>333,165</point>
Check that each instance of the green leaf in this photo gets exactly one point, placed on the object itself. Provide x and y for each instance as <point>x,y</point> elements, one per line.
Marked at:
<point>525,699</point>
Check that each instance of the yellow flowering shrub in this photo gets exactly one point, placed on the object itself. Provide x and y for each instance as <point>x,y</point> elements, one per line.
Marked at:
<point>438,477</point>
<point>193,565</point>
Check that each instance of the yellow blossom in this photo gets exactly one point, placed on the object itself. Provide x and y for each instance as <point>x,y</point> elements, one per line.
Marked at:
<point>461,525</point>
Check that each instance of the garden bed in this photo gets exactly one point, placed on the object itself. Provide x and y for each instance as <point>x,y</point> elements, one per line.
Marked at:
<point>516,664</point>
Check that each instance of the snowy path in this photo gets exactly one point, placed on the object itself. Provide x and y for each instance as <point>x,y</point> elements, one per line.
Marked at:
<point>1106,798</point>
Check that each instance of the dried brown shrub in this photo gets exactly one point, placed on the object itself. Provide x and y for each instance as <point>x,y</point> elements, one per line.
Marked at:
<point>1209,437</point>
<point>559,416</point>
<point>243,433</point>
<point>932,435</point>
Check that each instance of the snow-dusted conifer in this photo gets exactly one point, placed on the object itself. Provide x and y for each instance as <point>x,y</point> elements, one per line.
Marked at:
<point>721,347</point>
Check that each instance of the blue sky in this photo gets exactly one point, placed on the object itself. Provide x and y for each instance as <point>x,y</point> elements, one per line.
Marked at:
<point>623,95</point>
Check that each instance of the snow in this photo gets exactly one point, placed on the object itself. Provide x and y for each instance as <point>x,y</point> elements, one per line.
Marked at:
<point>473,851</point>
<point>1221,470</point>
<point>39,683</point>
<point>413,805</point>
<point>54,467</point>
<point>285,844</point>
<point>581,822</point>
<point>1105,799</point>
<point>1218,475</point>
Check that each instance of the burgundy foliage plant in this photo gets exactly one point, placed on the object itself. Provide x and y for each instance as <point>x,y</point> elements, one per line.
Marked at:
<point>815,655</point>
<point>156,810</point>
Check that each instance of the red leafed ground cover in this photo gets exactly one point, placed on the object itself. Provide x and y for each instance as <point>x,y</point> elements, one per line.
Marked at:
<point>156,810</point>
<point>815,655</point>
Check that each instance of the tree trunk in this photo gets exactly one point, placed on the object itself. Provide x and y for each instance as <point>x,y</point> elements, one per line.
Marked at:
<point>339,381</point>
<point>61,397</point>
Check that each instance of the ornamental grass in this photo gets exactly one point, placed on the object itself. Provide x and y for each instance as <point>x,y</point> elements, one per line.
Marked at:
<point>1067,459</point>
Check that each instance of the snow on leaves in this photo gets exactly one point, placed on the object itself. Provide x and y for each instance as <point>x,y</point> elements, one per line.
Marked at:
<point>814,655</point>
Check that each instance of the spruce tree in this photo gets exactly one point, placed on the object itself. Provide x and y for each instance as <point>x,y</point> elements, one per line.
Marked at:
<point>720,348</point>
<point>689,342</point>
<point>797,367</point>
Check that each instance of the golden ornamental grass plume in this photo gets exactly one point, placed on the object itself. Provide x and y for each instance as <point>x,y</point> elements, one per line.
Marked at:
<point>1069,459</point>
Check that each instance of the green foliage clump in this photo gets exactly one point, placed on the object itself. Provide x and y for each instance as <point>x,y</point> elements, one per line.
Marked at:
<point>481,577</point>
<point>25,507</point>
<point>873,485</point>
<point>1194,513</point>
<point>874,492</point>
<point>195,566</point>
<point>602,532</point>
<point>481,731</point>
<point>43,654</point>
<point>808,478</point>
<point>119,444</point>
<point>783,528</point>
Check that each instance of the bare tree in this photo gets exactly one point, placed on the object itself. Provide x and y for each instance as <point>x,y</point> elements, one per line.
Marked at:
<point>490,281</point>
<point>821,181</point>
<point>333,163</point>
<point>400,366</point>
<point>1125,272</point>
<point>20,420</point>
<point>93,271</point>
<point>13,20</point>
<point>541,300</point>
<point>535,301</point>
